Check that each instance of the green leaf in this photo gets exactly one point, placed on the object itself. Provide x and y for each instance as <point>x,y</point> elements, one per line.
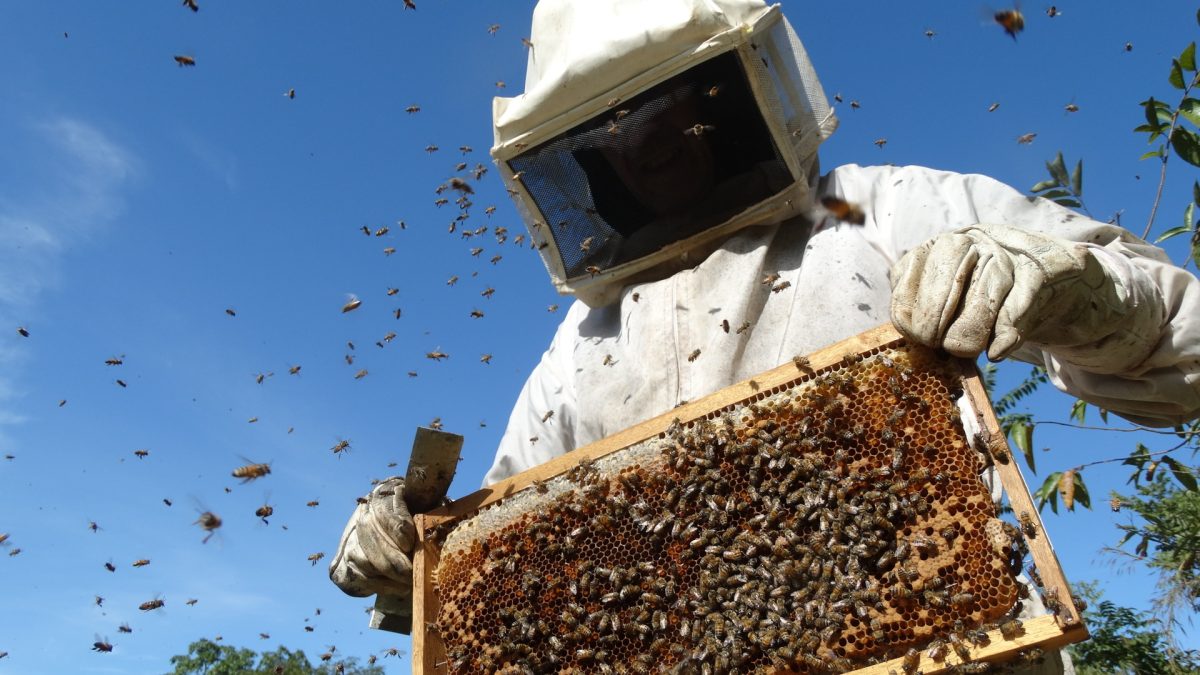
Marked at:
<point>1079,410</point>
<point>1048,492</point>
<point>1196,192</point>
<point>1196,248</point>
<point>1069,203</point>
<point>1082,496</point>
<point>1152,153</point>
<point>1176,77</point>
<point>1058,169</point>
<point>1187,59</point>
<point>1187,214</point>
<point>1148,107</point>
<point>1077,179</point>
<point>1186,145</point>
<point>1182,473</point>
<point>1173,232</point>
<point>1190,108</point>
<point>1148,128</point>
<point>1022,436</point>
<point>1055,194</point>
<point>1137,459</point>
<point>1044,185</point>
<point>1104,415</point>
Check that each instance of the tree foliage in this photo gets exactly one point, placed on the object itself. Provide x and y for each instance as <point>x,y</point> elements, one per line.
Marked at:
<point>1126,641</point>
<point>205,657</point>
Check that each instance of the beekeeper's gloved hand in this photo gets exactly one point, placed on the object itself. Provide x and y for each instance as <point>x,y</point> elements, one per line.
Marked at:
<point>997,288</point>
<point>375,553</point>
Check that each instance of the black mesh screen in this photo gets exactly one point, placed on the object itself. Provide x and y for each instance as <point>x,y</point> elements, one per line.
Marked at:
<point>679,158</point>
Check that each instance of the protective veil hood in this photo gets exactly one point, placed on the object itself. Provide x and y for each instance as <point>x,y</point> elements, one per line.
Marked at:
<point>598,75</point>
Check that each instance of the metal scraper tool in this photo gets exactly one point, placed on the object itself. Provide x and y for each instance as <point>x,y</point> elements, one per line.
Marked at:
<point>431,468</point>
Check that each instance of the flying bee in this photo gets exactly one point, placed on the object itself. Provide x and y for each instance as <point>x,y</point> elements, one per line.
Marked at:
<point>184,60</point>
<point>22,331</point>
<point>593,270</point>
<point>150,605</point>
<point>266,510</point>
<point>1011,20</point>
<point>115,361</point>
<point>1026,139</point>
<point>124,628</point>
<point>880,142</point>
<point>191,4</point>
<point>693,356</point>
<point>294,370</point>
<point>341,446</point>
<point>209,522</point>
<point>110,566</point>
<point>843,210</point>
<point>251,471</point>
<point>699,130</point>
<point>488,292</point>
<point>313,504</point>
<point>352,304</point>
<point>102,645</point>
<point>437,355</point>
<point>122,384</point>
<point>360,374</point>
<point>315,557</point>
<point>141,453</point>
<point>743,328</point>
<point>141,562</point>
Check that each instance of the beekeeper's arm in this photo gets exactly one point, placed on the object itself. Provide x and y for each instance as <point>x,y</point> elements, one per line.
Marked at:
<point>1114,322</point>
<point>532,437</point>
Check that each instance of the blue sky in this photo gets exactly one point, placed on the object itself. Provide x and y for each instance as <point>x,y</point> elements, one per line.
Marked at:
<point>139,200</point>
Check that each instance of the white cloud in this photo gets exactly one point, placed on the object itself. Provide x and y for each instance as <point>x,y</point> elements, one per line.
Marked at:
<point>76,181</point>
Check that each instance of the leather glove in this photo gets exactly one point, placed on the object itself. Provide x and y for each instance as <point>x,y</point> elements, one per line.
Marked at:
<point>997,288</point>
<point>375,553</point>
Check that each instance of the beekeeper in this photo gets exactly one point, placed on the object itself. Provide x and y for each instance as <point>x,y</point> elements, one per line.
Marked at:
<point>664,158</point>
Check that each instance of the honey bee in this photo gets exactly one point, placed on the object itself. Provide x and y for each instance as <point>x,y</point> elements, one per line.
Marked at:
<point>315,557</point>
<point>251,471</point>
<point>699,130</point>
<point>781,286</point>
<point>115,361</point>
<point>993,107</point>
<point>22,331</point>
<point>854,104</point>
<point>141,563</point>
<point>929,33</point>
<point>437,355</point>
<point>124,628</point>
<point>844,210</point>
<point>693,356</point>
<point>209,522</point>
<point>313,504</point>
<point>191,4</point>
<point>1027,525</point>
<point>294,370</point>
<point>1026,139</point>
<point>528,44</point>
<point>341,446</point>
<point>770,279</point>
<point>290,93</point>
<point>431,148</point>
<point>608,360</point>
<point>150,605</point>
<point>1011,629</point>
<point>912,659</point>
<point>141,453</point>
<point>743,328</point>
<point>360,374</point>
<point>486,358</point>
<point>476,314</point>
<point>122,383</point>
<point>414,108</point>
<point>389,250</point>
<point>880,142</point>
<point>1071,107</point>
<point>102,645</point>
<point>1011,20</point>
<point>802,362</point>
<point>110,566</point>
<point>352,304</point>
<point>546,417</point>
<point>488,292</point>
<point>265,511</point>
<point>184,60</point>
<point>99,600</point>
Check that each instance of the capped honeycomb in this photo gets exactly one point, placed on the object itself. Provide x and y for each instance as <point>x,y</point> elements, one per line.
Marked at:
<point>816,527</point>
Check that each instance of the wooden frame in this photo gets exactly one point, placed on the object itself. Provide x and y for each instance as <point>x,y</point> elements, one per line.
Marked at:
<point>1052,631</point>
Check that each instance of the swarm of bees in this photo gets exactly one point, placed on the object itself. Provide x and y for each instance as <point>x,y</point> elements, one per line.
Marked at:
<point>807,531</point>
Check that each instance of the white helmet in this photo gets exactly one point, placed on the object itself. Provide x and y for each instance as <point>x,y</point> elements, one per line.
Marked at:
<point>651,128</point>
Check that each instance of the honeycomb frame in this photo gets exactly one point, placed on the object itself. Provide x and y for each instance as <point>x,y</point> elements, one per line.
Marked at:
<point>510,505</point>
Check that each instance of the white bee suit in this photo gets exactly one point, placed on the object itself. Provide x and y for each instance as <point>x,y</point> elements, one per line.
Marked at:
<point>839,286</point>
